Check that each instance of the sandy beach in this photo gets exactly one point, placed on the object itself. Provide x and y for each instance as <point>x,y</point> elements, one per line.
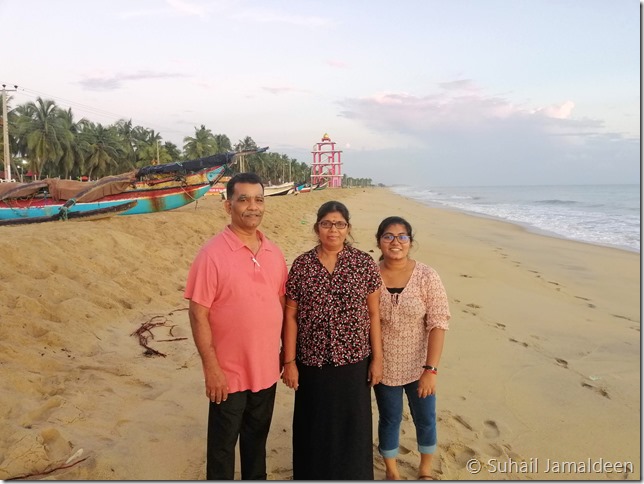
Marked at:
<point>539,378</point>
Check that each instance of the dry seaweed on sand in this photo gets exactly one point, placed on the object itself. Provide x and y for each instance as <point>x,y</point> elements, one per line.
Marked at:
<point>145,334</point>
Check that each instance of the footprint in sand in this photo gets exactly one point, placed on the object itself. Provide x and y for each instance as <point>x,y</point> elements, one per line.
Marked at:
<point>491,430</point>
<point>522,343</point>
<point>56,447</point>
<point>623,317</point>
<point>561,362</point>
<point>463,422</point>
<point>403,450</point>
<point>494,450</point>
<point>462,454</point>
<point>600,391</point>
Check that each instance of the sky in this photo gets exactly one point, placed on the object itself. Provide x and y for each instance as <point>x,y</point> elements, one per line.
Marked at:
<point>417,92</point>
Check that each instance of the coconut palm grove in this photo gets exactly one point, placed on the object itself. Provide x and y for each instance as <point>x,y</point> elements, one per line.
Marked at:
<point>46,141</point>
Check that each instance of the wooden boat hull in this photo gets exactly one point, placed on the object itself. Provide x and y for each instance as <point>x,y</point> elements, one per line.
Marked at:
<point>277,190</point>
<point>147,201</point>
<point>61,215</point>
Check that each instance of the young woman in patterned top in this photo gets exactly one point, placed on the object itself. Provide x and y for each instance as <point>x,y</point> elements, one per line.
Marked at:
<point>414,314</point>
<point>332,352</point>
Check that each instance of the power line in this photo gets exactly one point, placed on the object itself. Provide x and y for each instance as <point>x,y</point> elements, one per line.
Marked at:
<point>70,103</point>
<point>67,103</point>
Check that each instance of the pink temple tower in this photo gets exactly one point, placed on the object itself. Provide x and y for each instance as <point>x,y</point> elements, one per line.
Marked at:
<point>327,165</point>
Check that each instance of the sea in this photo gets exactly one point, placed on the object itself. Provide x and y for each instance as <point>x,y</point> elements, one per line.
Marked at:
<point>607,215</point>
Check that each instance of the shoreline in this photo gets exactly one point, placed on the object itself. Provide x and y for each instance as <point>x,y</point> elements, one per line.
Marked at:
<point>541,360</point>
<point>526,225</point>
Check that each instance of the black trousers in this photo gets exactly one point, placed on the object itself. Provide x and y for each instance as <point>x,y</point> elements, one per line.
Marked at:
<point>244,415</point>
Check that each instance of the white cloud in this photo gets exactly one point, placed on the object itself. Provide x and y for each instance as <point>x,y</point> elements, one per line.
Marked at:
<point>460,107</point>
<point>104,81</point>
<point>461,135</point>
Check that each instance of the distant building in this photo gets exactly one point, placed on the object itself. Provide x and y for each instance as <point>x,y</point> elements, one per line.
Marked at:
<point>327,164</point>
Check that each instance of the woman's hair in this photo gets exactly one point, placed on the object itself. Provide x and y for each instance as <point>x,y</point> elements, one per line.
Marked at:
<point>332,206</point>
<point>394,220</point>
<point>329,207</point>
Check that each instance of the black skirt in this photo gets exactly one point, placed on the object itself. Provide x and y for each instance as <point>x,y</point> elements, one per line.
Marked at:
<point>332,434</point>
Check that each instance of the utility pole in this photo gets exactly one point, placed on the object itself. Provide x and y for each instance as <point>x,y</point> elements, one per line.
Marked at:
<point>5,133</point>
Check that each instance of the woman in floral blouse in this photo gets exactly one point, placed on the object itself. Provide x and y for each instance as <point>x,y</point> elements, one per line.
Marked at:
<point>414,313</point>
<point>332,352</point>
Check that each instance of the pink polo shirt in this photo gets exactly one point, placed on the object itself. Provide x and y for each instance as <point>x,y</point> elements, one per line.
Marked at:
<point>243,293</point>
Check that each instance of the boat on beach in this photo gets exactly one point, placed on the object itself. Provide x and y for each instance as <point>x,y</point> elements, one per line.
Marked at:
<point>154,188</point>
<point>64,215</point>
<point>277,190</point>
<point>306,188</point>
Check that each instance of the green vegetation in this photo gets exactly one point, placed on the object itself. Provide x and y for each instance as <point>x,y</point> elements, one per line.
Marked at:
<point>46,140</point>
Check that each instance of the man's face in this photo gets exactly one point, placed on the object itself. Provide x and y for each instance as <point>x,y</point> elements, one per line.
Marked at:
<point>246,206</point>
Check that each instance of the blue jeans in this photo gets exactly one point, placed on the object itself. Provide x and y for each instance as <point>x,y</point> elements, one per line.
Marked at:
<point>390,408</point>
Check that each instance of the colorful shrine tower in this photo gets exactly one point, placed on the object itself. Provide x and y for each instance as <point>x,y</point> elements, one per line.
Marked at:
<point>327,164</point>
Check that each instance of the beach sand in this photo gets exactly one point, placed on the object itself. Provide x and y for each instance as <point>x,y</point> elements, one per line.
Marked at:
<point>540,371</point>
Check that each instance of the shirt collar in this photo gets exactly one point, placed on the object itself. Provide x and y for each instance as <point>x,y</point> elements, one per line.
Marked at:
<point>235,243</point>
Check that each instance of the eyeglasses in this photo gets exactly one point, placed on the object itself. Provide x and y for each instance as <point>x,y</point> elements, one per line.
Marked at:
<point>403,239</point>
<point>326,224</point>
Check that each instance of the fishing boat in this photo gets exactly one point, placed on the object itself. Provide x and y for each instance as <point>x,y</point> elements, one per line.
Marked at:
<point>155,188</point>
<point>306,188</point>
<point>64,215</point>
<point>276,190</point>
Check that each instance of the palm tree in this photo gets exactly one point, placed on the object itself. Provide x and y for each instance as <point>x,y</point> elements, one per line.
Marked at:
<point>202,144</point>
<point>103,149</point>
<point>148,145</point>
<point>71,160</point>
<point>223,143</point>
<point>42,133</point>
<point>126,133</point>
<point>172,152</point>
<point>250,163</point>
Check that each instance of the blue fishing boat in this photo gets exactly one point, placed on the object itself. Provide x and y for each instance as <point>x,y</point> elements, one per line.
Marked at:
<point>154,188</point>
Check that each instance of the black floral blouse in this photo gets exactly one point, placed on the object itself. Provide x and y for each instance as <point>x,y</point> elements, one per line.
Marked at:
<point>332,316</point>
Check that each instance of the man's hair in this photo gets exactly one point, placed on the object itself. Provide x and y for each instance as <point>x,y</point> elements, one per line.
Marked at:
<point>242,178</point>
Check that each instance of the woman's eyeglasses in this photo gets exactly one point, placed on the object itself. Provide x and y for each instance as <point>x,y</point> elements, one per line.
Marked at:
<point>326,224</point>
<point>403,239</point>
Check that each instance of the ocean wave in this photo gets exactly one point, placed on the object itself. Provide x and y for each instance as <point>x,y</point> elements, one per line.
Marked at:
<point>556,202</point>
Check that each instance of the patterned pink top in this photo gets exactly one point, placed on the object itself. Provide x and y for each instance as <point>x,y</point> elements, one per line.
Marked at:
<point>406,319</point>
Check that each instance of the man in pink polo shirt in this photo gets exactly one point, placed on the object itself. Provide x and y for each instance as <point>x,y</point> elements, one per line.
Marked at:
<point>236,288</point>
